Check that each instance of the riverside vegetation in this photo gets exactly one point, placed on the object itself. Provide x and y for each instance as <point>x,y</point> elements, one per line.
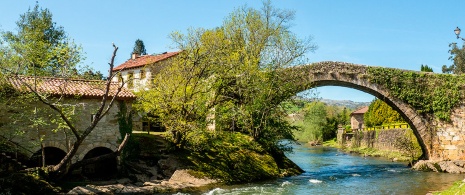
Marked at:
<point>230,70</point>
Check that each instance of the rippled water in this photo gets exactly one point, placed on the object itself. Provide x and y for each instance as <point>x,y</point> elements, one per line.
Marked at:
<point>328,171</point>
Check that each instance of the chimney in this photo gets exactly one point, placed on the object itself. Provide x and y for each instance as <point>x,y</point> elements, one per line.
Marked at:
<point>135,55</point>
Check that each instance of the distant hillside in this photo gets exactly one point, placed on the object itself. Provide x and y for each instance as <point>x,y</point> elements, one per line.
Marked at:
<point>351,105</point>
<point>346,103</point>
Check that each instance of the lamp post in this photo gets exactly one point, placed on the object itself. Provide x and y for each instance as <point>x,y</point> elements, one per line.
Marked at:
<point>457,32</point>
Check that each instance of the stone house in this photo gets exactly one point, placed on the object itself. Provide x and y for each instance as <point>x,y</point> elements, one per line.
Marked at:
<point>137,73</point>
<point>81,98</point>
<point>356,118</point>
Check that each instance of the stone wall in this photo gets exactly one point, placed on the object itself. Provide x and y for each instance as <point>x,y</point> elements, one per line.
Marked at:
<point>450,136</point>
<point>106,133</point>
<point>379,139</point>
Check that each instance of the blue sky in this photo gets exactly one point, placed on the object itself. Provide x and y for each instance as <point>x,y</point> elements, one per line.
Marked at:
<point>395,33</point>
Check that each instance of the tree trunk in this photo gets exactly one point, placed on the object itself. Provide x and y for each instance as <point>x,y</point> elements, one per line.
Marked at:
<point>62,168</point>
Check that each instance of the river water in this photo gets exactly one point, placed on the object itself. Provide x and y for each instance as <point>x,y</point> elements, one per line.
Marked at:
<point>329,171</point>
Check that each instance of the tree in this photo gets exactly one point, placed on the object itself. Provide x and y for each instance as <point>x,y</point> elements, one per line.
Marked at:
<point>139,48</point>
<point>231,72</point>
<point>458,59</point>
<point>426,68</point>
<point>40,47</point>
<point>55,106</point>
<point>315,121</point>
<point>381,113</point>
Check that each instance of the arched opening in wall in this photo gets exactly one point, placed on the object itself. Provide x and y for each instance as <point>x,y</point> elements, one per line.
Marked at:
<point>322,113</point>
<point>101,170</point>
<point>53,156</point>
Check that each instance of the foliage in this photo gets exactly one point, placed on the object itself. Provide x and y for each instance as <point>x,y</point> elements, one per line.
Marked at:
<point>428,93</point>
<point>21,183</point>
<point>232,157</point>
<point>320,121</point>
<point>426,68</point>
<point>40,47</point>
<point>139,48</point>
<point>408,145</point>
<point>380,113</point>
<point>458,59</point>
<point>124,119</point>
<point>228,75</point>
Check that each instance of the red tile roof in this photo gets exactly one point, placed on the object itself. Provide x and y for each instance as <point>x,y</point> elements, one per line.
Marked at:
<point>144,60</point>
<point>68,87</point>
<point>362,110</point>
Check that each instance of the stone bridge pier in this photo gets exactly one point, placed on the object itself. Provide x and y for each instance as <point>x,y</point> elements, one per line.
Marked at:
<point>439,140</point>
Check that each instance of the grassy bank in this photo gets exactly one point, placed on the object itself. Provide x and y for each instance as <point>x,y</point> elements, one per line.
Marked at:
<point>229,157</point>
<point>457,188</point>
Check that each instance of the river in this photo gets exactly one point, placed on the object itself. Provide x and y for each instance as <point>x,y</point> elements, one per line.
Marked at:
<point>329,171</point>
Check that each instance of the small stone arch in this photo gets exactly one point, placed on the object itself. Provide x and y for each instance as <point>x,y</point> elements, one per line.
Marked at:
<point>89,147</point>
<point>104,169</point>
<point>53,156</point>
<point>46,144</point>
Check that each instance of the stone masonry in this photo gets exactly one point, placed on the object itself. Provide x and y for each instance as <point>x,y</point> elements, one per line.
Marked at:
<point>106,133</point>
<point>439,140</point>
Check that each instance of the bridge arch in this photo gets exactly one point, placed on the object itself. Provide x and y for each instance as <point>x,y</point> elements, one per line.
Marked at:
<point>355,77</point>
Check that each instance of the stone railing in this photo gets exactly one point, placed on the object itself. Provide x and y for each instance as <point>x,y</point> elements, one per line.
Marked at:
<point>391,126</point>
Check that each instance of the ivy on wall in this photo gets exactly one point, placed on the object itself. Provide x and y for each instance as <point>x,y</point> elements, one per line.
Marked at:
<point>428,93</point>
<point>124,119</point>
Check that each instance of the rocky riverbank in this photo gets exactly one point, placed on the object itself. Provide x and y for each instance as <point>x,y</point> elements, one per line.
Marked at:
<point>154,168</point>
<point>180,181</point>
<point>457,166</point>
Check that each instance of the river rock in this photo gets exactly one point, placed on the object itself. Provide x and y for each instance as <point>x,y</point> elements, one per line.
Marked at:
<point>181,179</point>
<point>183,176</point>
<point>440,166</point>
<point>169,165</point>
<point>451,167</point>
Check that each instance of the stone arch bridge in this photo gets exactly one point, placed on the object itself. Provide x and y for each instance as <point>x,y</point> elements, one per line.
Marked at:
<point>439,139</point>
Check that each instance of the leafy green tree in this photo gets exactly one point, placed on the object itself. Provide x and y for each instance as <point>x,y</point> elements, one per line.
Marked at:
<point>426,68</point>
<point>315,121</point>
<point>458,58</point>
<point>139,48</point>
<point>231,73</point>
<point>40,47</point>
<point>381,113</point>
<point>321,121</point>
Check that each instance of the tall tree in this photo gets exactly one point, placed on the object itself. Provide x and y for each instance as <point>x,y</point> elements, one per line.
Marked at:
<point>231,71</point>
<point>426,68</point>
<point>40,46</point>
<point>139,48</point>
<point>458,58</point>
<point>381,113</point>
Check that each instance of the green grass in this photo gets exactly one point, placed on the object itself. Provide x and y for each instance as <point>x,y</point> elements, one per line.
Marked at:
<point>331,143</point>
<point>456,189</point>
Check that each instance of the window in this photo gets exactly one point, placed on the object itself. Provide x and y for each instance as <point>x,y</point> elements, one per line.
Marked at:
<point>130,80</point>
<point>142,74</point>
<point>119,77</point>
